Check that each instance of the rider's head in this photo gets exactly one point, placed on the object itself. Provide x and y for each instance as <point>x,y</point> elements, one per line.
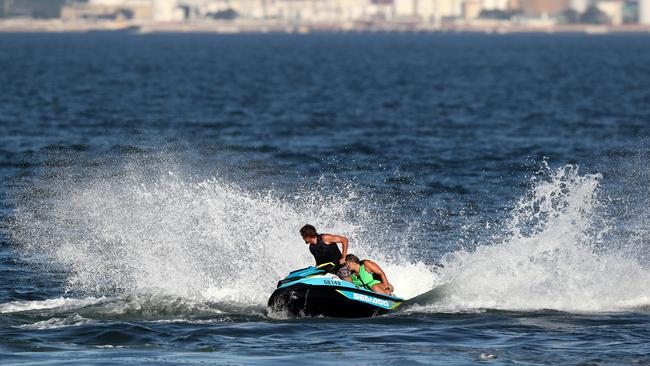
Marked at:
<point>352,262</point>
<point>308,233</point>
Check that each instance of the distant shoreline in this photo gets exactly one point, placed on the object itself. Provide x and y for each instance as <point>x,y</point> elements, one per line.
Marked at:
<point>248,26</point>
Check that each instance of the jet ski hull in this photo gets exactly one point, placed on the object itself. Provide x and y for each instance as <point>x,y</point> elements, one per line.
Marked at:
<point>314,294</point>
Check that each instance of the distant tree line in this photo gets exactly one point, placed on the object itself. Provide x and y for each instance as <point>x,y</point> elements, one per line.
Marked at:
<point>228,14</point>
<point>31,8</point>
<point>591,16</point>
<point>499,14</point>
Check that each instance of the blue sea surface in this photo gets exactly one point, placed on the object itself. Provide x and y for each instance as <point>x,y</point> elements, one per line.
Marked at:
<point>153,186</point>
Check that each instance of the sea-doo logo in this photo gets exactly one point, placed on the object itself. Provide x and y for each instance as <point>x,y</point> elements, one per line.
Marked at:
<point>370,300</point>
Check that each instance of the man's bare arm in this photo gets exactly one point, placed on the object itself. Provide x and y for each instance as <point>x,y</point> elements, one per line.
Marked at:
<point>372,267</point>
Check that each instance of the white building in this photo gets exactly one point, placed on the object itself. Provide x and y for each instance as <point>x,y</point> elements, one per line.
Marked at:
<point>579,5</point>
<point>495,4</point>
<point>315,10</point>
<point>644,12</point>
<point>350,10</point>
<point>294,10</point>
<point>405,8</point>
<point>449,8</point>
<point>426,10</point>
<point>472,9</point>
<point>430,9</point>
<point>613,9</point>
<point>167,11</point>
<point>439,9</point>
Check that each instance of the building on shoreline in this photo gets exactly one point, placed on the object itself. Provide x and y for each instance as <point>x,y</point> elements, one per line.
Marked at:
<point>644,12</point>
<point>339,13</point>
<point>543,8</point>
<point>613,9</point>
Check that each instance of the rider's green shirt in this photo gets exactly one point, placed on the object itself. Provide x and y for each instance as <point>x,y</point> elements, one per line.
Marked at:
<point>364,279</point>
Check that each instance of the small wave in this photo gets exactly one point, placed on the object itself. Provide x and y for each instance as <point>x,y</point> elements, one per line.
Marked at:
<point>142,306</point>
<point>61,302</point>
<point>153,307</point>
<point>55,323</point>
<point>440,309</point>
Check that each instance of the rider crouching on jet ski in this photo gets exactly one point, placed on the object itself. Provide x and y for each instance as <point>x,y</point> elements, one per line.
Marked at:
<point>367,274</point>
<point>324,248</point>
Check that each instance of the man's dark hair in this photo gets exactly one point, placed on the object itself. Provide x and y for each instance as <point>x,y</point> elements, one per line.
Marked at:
<point>308,231</point>
<point>352,258</point>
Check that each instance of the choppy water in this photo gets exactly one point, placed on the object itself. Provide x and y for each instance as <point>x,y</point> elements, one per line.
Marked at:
<point>153,187</point>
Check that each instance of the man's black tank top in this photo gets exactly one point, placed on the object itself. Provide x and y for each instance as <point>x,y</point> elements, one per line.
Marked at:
<point>324,253</point>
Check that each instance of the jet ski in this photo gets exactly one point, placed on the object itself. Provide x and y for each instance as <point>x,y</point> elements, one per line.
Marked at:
<point>314,291</point>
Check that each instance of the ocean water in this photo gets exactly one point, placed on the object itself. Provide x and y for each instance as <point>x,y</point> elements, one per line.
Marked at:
<point>153,187</point>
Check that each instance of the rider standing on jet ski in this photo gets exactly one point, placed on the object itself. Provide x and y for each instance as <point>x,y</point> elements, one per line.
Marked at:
<point>324,248</point>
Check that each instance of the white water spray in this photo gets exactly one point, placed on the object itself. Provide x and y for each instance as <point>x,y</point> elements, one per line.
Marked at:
<point>211,241</point>
<point>550,259</point>
<point>205,240</point>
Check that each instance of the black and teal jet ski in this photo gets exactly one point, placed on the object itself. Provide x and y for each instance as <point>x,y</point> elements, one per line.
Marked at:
<point>313,291</point>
